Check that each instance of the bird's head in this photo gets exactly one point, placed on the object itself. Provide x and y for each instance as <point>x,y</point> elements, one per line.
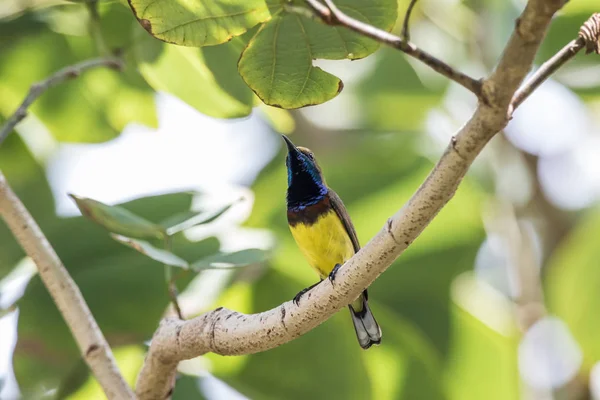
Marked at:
<point>305,180</point>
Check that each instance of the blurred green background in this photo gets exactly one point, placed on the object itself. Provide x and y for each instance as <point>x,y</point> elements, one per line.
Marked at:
<point>497,299</point>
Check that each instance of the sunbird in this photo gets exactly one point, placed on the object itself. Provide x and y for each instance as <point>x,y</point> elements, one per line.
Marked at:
<point>324,232</point>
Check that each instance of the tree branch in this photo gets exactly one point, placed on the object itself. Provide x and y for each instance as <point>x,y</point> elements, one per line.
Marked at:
<point>331,15</point>
<point>92,344</point>
<point>589,38</point>
<point>59,77</point>
<point>229,333</point>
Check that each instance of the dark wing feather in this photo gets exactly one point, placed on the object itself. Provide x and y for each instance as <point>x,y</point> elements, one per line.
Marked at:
<point>340,210</point>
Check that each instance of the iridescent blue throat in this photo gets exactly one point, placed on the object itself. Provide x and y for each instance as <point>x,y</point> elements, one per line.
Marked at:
<point>305,186</point>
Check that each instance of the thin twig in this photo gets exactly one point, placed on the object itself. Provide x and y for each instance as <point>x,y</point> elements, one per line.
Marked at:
<point>332,15</point>
<point>405,31</point>
<point>57,78</point>
<point>588,38</point>
<point>92,344</point>
<point>548,68</point>
<point>319,9</point>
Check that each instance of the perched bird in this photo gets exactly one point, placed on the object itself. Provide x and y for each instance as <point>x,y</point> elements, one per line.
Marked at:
<point>322,229</point>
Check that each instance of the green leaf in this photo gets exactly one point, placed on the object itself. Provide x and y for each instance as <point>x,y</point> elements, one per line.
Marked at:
<point>198,22</point>
<point>279,67</point>
<point>236,259</point>
<point>117,219</point>
<point>185,221</point>
<point>277,63</point>
<point>183,72</point>
<point>160,255</point>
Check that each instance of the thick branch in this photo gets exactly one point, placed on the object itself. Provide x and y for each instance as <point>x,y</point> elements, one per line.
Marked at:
<point>94,348</point>
<point>332,15</point>
<point>227,332</point>
<point>59,77</point>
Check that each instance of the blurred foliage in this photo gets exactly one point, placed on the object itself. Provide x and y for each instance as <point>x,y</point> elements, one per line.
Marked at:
<point>440,338</point>
<point>572,285</point>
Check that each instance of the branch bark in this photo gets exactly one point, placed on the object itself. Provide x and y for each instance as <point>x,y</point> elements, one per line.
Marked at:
<point>59,77</point>
<point>94,348</point>
<point>228,332</point>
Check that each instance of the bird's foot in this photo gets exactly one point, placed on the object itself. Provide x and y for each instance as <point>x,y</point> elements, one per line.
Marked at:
<point>333,272</point>
<point>299,295</point>
<point>303,292</point>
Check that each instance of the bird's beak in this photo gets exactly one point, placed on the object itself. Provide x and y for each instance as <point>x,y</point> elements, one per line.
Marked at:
<point>291,147</point>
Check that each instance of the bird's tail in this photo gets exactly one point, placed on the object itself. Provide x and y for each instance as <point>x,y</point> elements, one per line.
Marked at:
<point>367,329</point>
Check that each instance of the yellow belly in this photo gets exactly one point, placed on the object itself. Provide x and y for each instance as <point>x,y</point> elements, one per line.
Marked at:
<point>324,243</point>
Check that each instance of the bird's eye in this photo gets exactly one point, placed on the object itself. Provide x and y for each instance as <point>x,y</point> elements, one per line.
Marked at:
<point>311,156</point>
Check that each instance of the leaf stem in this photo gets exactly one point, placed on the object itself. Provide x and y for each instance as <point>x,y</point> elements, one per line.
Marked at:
<point>170,280</point>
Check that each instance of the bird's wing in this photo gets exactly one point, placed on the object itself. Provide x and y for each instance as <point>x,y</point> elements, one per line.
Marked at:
<point>341,212</point>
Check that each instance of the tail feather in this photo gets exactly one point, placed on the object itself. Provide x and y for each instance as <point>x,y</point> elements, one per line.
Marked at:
<point>365,325</point>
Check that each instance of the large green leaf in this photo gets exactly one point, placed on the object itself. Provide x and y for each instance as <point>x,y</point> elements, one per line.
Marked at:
<point>277,63</point>
<point>192,75</point>
<point>572,284</point>
<point>125,291</point>
<point>198,22</point>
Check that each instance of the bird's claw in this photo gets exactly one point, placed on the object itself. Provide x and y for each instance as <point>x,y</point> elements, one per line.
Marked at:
<point>299,295</point>
<point>333,272</point>
<point>302,292</point>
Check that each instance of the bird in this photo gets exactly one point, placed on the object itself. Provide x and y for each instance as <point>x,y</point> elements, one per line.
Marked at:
<point>324,232</point>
